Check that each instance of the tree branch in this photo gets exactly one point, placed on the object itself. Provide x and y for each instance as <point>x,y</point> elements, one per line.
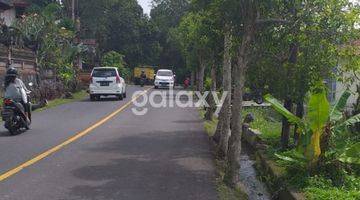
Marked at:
<point>271,21</point>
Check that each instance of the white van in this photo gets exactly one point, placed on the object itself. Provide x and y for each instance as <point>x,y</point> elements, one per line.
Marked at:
<point>106,81</point>
<point>164,79</point>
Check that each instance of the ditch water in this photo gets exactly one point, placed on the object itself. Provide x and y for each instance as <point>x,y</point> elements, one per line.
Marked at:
<point>255,189</point>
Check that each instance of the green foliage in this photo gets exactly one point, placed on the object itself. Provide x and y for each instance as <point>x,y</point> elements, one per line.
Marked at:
<point>113,59</point>
<point>318,109</point>
<point>200,37</point>
<point>166,16</point>
<point>288,58</point>
<point>283,111</point>
<point>351,154</point>
<point>51,36</point>
<point>315,123</point>
<point>208,83</point>
<point>336,111</point>
<point>267,122</point>
<point>121,26</point>
<point>351,121</point>
<point>319,186</point>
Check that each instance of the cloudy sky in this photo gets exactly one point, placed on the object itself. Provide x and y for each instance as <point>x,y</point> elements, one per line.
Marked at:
<point>146,4</point>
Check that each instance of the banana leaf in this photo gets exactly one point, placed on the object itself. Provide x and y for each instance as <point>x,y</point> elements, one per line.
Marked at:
<point>351,121</point>
<point>336,113</point>
<point>351,154</point>
<point>318,111</point>
<point>283,111</point>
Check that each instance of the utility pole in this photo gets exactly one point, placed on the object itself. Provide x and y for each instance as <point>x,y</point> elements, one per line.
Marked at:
<point>73,10</point>
<point>76,20</point>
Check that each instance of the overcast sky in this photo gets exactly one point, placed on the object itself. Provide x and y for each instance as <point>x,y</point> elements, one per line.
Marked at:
<point>146,4</point>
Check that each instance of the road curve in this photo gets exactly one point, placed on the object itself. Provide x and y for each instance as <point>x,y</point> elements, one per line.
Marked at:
<point>161,155</point>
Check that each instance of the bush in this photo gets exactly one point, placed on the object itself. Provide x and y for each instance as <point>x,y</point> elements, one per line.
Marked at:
<point>115,59</point>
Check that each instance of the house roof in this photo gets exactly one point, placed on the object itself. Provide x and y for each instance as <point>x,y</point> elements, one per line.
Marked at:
<point>6,4</point>
<point>21,3</point>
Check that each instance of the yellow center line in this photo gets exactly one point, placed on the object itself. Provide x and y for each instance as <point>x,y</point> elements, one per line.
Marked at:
<point>68,141</point>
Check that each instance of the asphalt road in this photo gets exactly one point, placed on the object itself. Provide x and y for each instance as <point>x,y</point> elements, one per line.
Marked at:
<point>162,155</point>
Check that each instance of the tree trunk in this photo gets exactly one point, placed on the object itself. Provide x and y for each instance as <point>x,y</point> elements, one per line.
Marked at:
<point>357,108</point>
<point>201,73</point>
<point>73,10</point>
<point>217,136</point>
<point>212,106</point>
<point>285,132</point>
<point>300,114</point>
<point>197,79</point>
<point>233,162</point>
<point>223,129</point>
<point>325,140</point>
<point>192,79</point>
<point>235,138</point>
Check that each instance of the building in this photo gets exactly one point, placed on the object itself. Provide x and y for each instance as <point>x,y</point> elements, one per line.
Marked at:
<point>10,54</point>
<point>10,9</point>
<point>336,88</point>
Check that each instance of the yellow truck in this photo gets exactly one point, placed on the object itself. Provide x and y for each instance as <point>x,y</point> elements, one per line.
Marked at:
<point>149,71</point>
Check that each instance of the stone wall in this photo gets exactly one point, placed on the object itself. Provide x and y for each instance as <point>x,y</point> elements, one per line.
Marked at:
<point>22,59</point>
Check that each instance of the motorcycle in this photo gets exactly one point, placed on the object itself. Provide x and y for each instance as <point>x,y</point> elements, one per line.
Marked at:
<point>13,114</point>
<point>142,82</point>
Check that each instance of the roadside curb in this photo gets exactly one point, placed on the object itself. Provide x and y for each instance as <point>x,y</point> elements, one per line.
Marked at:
<point>271,173</point>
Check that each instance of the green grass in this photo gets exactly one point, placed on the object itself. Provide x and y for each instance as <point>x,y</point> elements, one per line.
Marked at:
<point>210,126</point>
<point>60,101</point>
<point>323,186</point>
<point>267,122</point>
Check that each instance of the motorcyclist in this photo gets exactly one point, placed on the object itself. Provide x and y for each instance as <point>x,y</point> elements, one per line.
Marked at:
<point>16,90</point>
<point>186,82</point>
<point>143,77</point>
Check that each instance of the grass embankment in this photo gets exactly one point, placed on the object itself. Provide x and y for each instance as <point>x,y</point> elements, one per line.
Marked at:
<point>60,101</point>
<point>326,185</point>
<point>224,192</point>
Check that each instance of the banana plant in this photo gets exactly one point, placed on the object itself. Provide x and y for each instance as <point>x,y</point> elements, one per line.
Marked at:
<point>321,119</point>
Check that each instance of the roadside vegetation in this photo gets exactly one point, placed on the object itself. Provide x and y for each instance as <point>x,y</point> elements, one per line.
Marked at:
<point>329,183</point>
<point>224,191</point>
<point>289,50</point>
<point>81,95</point>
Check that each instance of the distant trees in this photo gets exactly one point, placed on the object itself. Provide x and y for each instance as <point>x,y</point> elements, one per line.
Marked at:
<point>166,16</point>
<point>120,25</point>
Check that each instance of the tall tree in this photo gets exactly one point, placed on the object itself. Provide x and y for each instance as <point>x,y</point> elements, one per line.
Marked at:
<point>166,16</point>
<point>121,26</point>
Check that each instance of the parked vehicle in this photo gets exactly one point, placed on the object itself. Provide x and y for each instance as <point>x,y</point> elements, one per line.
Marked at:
<point>255,95</point>
<point>149,72</point>
<point>164,79</point>
<point>106,81</point>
